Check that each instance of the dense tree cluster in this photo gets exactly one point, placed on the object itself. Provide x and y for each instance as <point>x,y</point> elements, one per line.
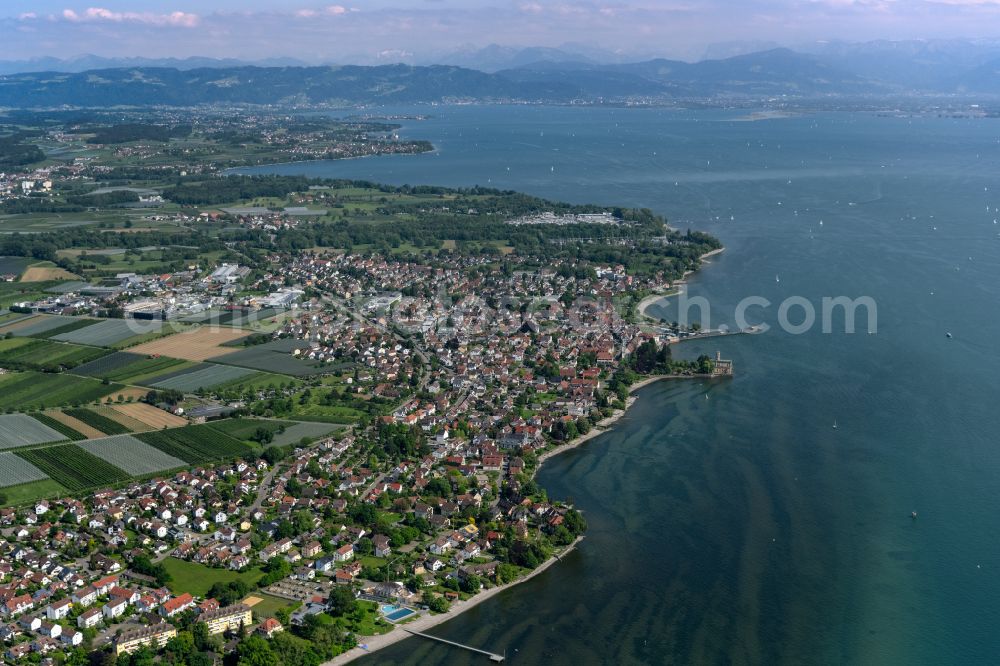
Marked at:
<point>127,132</point>
<point>15,152</point>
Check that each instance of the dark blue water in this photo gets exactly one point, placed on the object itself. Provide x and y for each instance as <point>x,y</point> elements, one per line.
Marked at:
<point>730,523</point>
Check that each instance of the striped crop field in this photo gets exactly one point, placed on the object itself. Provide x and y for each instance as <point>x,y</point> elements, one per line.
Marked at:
<point>126,366</point>
<point>26,391</point>
<point>44,354</point>
<point>204,378</point>
<point>124,420</point>
<point>196,444</point>
<point>47,325</point>
<point>152,418</point>
<point>22,430</point>
<point>130,454</point>
<point>73,467</point>
<point>110,332</point>
<point>15,471</point>
<point>95,420</point>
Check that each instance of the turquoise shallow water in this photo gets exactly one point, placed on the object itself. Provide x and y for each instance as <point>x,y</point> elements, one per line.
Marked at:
<point>730,523</point>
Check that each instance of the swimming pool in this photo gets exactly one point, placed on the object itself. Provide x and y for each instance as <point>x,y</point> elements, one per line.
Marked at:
<point>395,613</point>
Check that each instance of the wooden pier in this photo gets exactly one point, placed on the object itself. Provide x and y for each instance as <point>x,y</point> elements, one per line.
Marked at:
<point>493,657</point>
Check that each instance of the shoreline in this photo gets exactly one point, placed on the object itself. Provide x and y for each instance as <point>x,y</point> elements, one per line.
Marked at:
<point>427,621</point>
<point>673,290</point>
<point>376,643</point>
<point>421,624</point>
<point>607,424</point>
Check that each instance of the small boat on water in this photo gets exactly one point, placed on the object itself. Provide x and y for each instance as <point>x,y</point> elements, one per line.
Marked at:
<point>913,514</point>
<point>835,424</point>
<point>947,335</point>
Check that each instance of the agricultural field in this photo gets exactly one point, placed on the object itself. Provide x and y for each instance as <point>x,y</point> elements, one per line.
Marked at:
<point>44,354</point>
<point>66,424</point>
<point>42,325</point>
<point>27,391</point>
<point>99,421</point>
<point>196,444</point>
<point>255,382</point>
<point>244,318</point>
<point>294,433</point>
<point>14,265</point>
<point>207,377</point>
<point>15,471</point>
<point>22,430</point>
<point>127,367</point>
<point>329,414</point>
<point>26,493</point>
<point>246,428</point>
<point>110,332</point>
<point>73,467</point>
<point>130,424</point>
<point>196,345</point>
<point>130,454</point>
<point>46,271</point>
<point>25,320</point>
<point>74,324</point>
<point>127,393</point>
<point>277,357</point>
<point>7,317</point>
<point>185,367</point>
<point>151,417</point>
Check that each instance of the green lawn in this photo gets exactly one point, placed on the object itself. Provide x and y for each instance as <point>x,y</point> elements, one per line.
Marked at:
<point>270,604</point>
<point>198,578</point>
<point>327,413</point>
<point>373,562</point>
<point>366,620</point>
<point>29,492</point>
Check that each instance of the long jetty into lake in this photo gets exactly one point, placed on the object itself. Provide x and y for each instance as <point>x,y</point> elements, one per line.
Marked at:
<point>493,657</point>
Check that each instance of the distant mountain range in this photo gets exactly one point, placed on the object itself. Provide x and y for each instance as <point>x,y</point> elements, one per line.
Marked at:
<point>548,75</point>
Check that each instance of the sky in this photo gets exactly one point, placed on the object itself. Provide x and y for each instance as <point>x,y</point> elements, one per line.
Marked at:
<point>367,31</point>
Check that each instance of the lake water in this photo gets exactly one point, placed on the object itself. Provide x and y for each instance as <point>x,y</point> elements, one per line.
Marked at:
<point>730,522</point>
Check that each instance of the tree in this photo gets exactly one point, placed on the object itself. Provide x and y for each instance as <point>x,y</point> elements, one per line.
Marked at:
<point>471,584</point>
<point>437,603</point>
<point>342,601</point>
<point>144,565</point>
<point>180,647</point>
<point>263,436</point>
<point>254,651</point>
<point>228,593</point>
<point>202,639</point>
<point>364,546</point>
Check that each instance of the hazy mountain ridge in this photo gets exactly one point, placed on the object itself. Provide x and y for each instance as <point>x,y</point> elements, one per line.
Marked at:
<point>768,73</point>
<point>88,62</point>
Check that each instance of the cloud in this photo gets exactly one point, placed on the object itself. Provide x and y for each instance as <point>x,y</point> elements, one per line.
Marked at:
<point>100,14</point>
<point>966,3</point>
<point>330,10</point>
